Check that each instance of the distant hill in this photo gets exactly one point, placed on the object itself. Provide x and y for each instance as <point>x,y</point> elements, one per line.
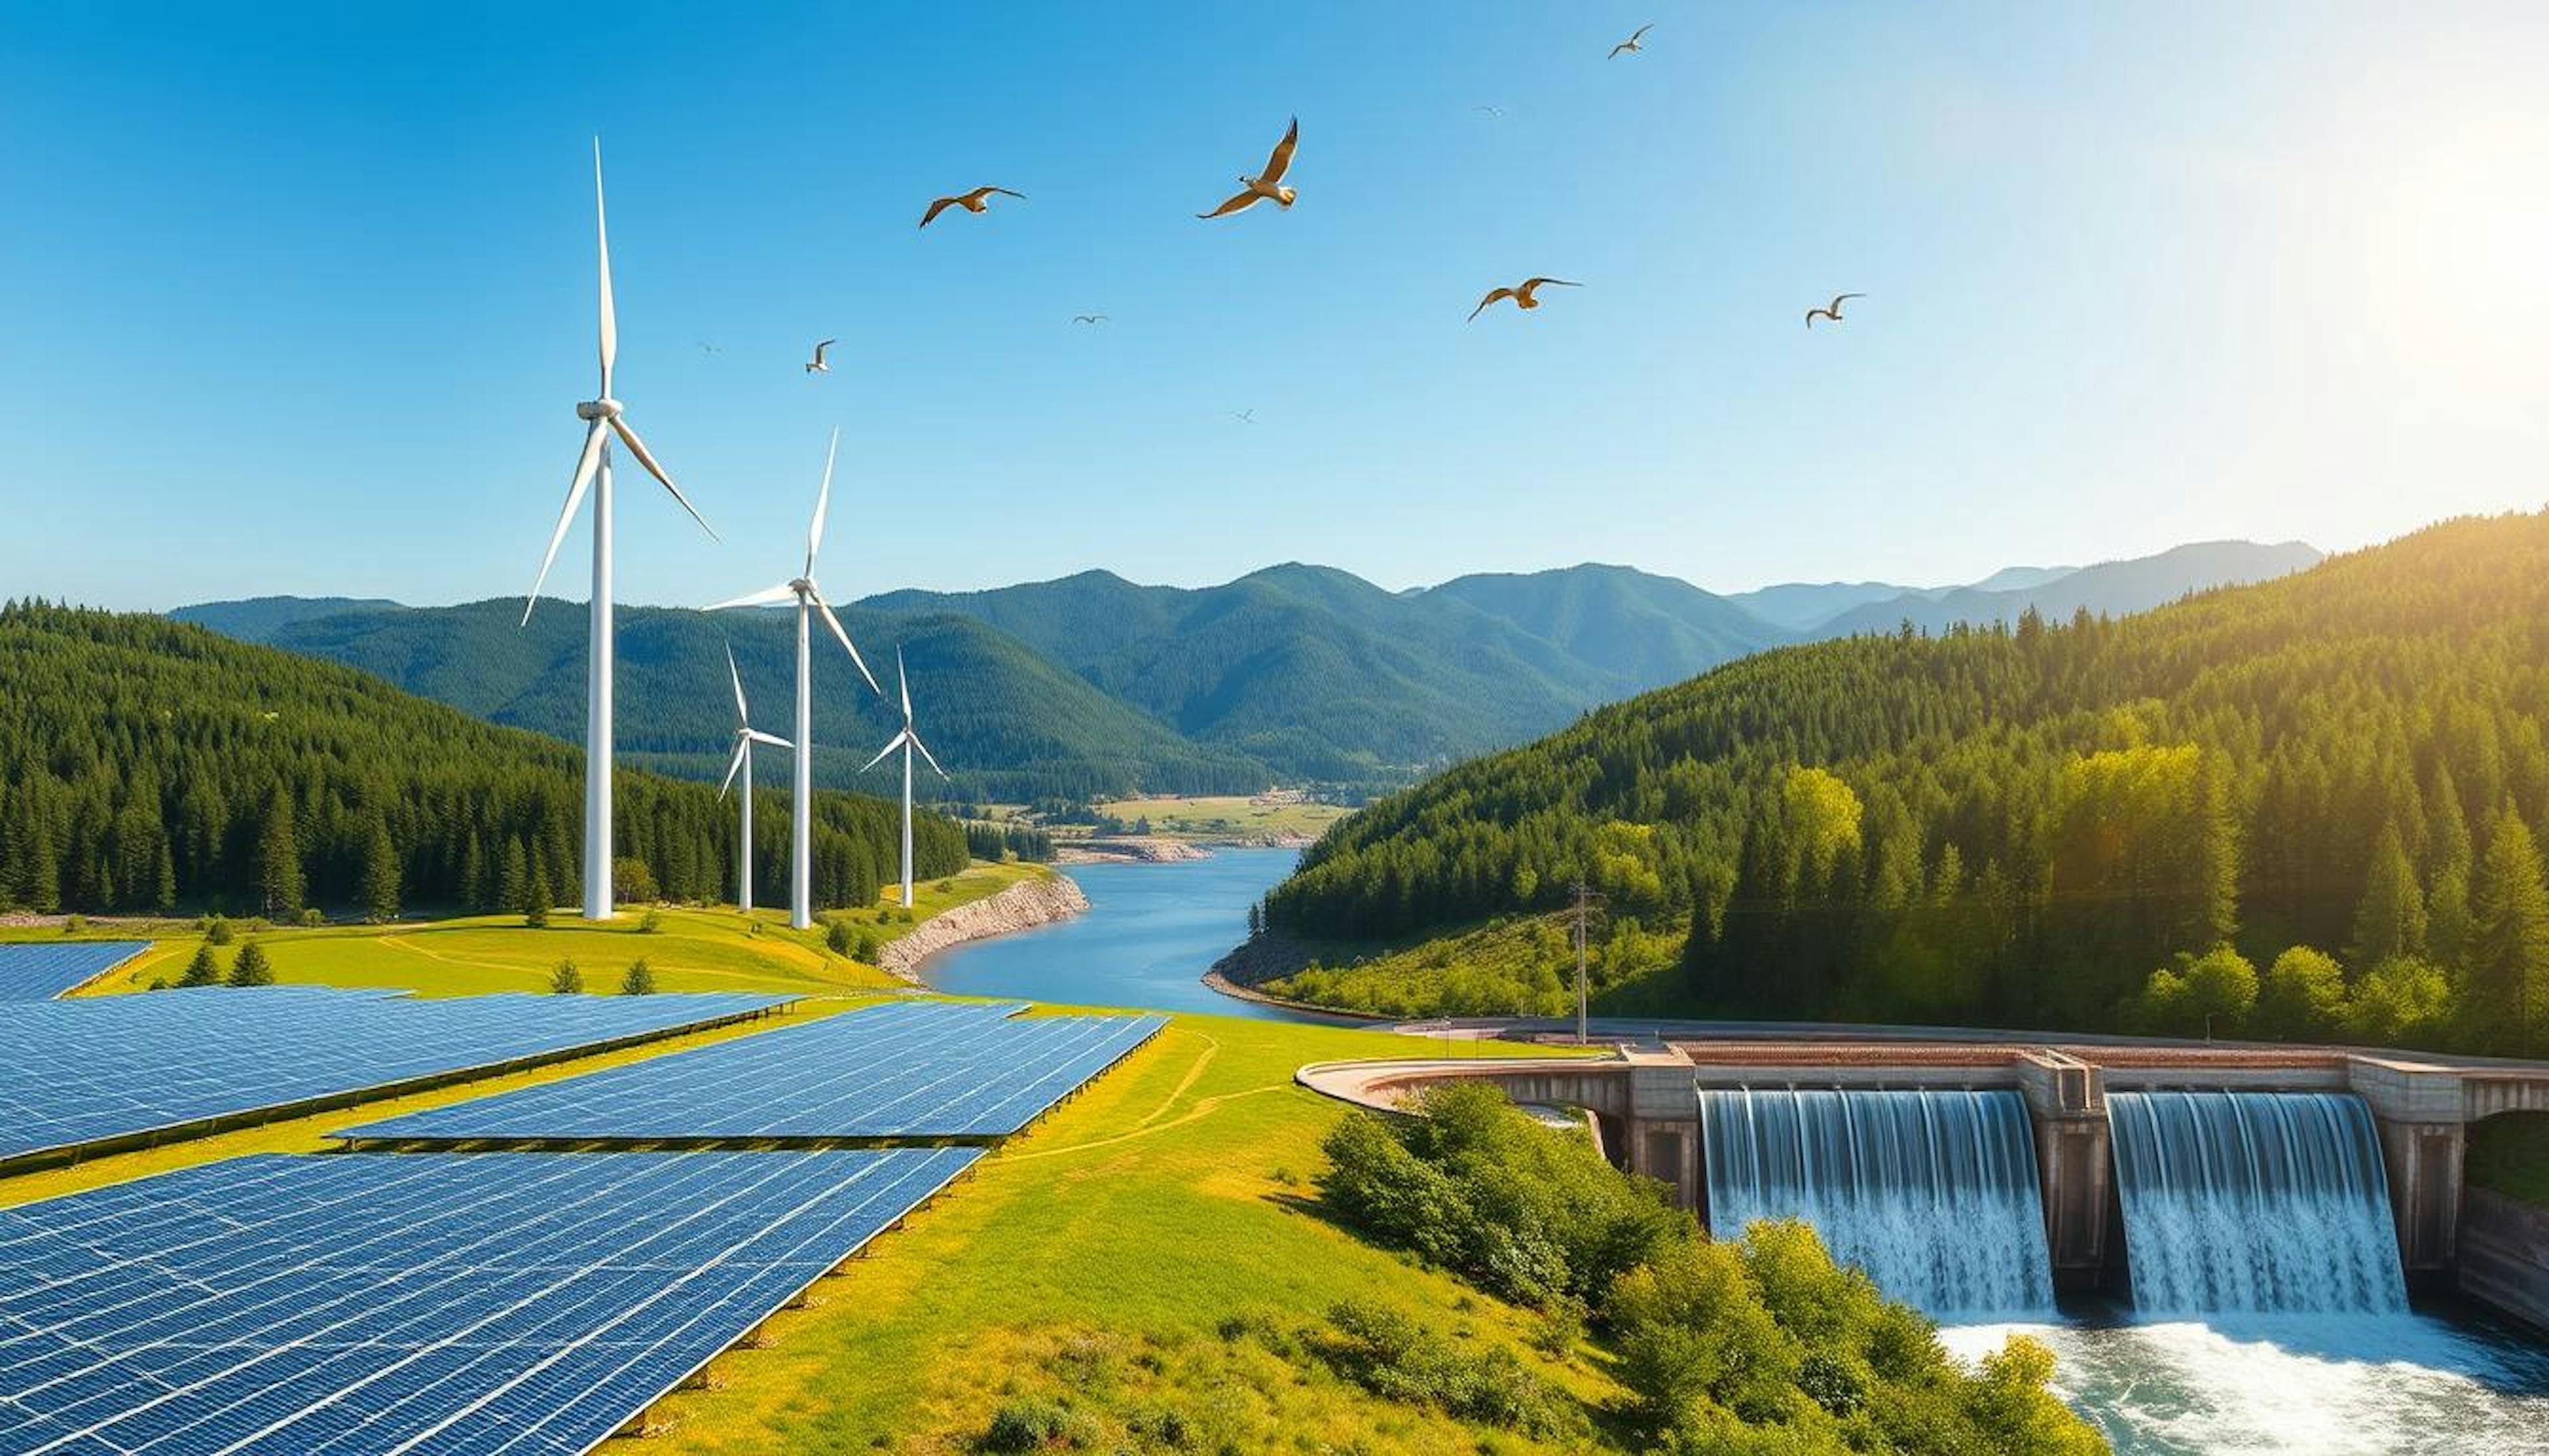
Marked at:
<point>1643,630</point>
<point>147,765</point>
<point>261,618</point>
<point>2110,588</point>
<point>1800,606</point>
<point>1005,721</point>
<point>2027,825</point>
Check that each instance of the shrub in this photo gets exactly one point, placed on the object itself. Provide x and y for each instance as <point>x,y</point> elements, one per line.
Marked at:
<point>652,924</point>
<point>2304,995</point>
<point>870,944</point>
<point>641,979</point>
<point>565,980</point>
<point>839,938</point>
<point>251,968</point>
<point>218,932</point>
<point>73,924</point>
<point>1393,1357</point>
<point>631,882</point>
<point>1027,1426</point>
<point>204,970</point>
<point>311,918</point>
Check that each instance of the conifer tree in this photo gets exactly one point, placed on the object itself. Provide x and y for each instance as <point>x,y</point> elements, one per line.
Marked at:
<point>251,968</point>
<point>204,970</point>
<point>2509,964</point>
<point>279,880</point>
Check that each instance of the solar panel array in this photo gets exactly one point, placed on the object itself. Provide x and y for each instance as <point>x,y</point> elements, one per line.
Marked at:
<point>40,970</point>
<point>79,1071</point>
<point>462,1303</point>
<point>909,1069</point>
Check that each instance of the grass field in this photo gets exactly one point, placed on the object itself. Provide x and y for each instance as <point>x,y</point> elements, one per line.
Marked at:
<point>1225,814</point>
<point>692,950</point>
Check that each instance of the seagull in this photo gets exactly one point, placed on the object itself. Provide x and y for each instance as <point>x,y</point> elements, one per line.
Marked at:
<point>1087,318</point>
<point>970,202</point>
<point>1831,310</point>
<point>1244,417</point>
<point>1268,185</point>
<point>818,366</point>
<point>1634,44</point>
<point>708,348</point>
<point>1493,111</point>
<point>1521,295</point>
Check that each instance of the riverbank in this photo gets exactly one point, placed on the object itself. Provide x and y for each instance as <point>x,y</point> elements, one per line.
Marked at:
<point>1039,900</point>
<point>1128,849</point>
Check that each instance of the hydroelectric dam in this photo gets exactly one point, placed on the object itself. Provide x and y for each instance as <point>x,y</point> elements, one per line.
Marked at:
<point>1978,1176</point>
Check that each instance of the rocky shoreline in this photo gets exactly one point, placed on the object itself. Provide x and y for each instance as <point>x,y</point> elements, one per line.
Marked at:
<point>1022,906</point>
<point>1128,849</point>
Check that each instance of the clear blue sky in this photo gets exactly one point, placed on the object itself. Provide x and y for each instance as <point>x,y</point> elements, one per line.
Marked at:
<point>300,297</point>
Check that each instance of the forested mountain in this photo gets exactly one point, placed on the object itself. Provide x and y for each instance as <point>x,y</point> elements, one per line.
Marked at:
<point>1005,722</point>
<point>2110,588</point>
<point>2333,776</point>
<point>149,765</point>
<point>1094,686</point>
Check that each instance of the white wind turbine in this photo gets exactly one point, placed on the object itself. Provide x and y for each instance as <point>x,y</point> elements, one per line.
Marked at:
<point>745,736</point>
<point>908,740</point>
<point>603,419</point>
<point>809,600</point>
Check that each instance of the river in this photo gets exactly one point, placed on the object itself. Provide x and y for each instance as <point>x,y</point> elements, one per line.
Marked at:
<point>1150,934</point>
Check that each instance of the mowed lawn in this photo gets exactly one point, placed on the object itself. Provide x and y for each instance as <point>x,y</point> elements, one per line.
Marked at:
<point>1222,814</point>
<point>692,950</point>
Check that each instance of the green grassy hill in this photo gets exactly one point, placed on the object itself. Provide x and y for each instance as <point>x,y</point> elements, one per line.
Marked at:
<point>2025,824</point>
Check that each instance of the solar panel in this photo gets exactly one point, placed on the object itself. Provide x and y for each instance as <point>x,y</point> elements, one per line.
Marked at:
<point>906,1069</point>
<point>108,1067</point>
<point>523,1302</point>
<point>39,970</point>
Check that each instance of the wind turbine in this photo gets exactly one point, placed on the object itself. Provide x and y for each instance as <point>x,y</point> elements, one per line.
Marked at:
<point>809,600</point>
<point>603,419</point>
<point>745,736</point>
<point>908,740</point>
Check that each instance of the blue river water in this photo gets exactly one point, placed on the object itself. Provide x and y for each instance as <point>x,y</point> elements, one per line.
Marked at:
<point>1151,933</point>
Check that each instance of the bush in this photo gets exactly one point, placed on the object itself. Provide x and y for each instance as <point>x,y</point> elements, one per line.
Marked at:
<point>312,918</point>
<point>870,944</point>
<point>839,938</point>
<point>1391,1355</point>
<point>631,882</point>
<point>204,970</point>
<point>217,932</point>
<point>652,924</point>
<point>641,979</point>
<point>251,968</point>
<point>2303,996</point>
<point>566,980</point>
<point>1029,1425</point>
<point>73,924</point>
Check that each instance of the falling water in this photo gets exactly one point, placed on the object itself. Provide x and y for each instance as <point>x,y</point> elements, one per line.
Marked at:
<point>1932,1193</point>
<point>2254,1203</point>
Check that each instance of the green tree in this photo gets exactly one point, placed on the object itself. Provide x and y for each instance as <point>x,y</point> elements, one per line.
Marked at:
<point>2509,959</point>
<point>2303,996</point>
<point>380,874</point>
<point>2390,918</point>
<point>641,979</point>
<point>535,900</point>
<point>2402,1001</point>
<point>279,881</point>
<point>217,930</point>
<point>839,938</point>
<point>251,968</point>
<point>565,979</point>
<point>204,970</point>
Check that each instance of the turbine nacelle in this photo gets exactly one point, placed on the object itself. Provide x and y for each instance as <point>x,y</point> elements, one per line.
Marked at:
<point>594,410</point>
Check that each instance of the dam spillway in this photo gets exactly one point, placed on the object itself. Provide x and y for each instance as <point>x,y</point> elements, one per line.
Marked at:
<point>1933,1192</point>
<point>2254,1203</point>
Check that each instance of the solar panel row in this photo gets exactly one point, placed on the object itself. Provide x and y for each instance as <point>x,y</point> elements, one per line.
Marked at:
<point>75,1072</point>
<point>40,970</point>
<point>460,1302</point>
<point>909,1069</point>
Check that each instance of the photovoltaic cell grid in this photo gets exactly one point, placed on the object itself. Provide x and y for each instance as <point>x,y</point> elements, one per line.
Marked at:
<point>522,1303</point>
<point>80,1071</point>
<point>43,969</point>
<point>910,1069</point>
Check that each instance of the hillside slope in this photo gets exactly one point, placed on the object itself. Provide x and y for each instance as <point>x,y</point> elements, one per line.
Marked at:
<point>2006,825</point>
<point>1643,630</point>
<point>147,764</point>
<point>2109,588</point>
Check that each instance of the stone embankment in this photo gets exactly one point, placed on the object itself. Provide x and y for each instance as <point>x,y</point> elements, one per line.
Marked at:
<point>1128,849</point>
<point>1022,906</point>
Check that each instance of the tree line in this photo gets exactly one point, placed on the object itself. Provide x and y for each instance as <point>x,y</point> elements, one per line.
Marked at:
<point>2054,824</point>
<point>147,765</point>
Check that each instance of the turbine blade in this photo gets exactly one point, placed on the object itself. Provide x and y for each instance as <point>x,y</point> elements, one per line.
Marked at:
<point>925,753</point>
<point>647,458</point>
<point>891,743</point>
<point>835,623</point>
<point>765,597</point>
<point>902,682</point>
<point>772,739</point>
<point>742,714</point>
<point>602,237</point>
<point>732,766</point>
<point>823,504</point>
<point>584,466</point>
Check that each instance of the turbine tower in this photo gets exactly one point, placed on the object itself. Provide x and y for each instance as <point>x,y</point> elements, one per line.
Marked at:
<point>908,740</point>
<point>603,419</point>
<point>809,600</point>
<point>745,736</point>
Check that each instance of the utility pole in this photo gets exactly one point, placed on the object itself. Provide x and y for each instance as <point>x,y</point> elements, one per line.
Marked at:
<point>1584,902</point>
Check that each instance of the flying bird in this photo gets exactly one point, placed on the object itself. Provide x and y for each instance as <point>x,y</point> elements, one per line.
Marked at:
<point>972,202</point>
<point>1830,310</point>
<point>1493,111</point>
<point>1522,296</point>
<point>816,364</point>
<point>1244,417</point>
<point>708,348</point>
<point>1087,318</point>
<point>1268,186</point>
<point>1634,44</point>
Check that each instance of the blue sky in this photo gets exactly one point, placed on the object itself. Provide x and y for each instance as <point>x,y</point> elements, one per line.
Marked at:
<point>299,299</point>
